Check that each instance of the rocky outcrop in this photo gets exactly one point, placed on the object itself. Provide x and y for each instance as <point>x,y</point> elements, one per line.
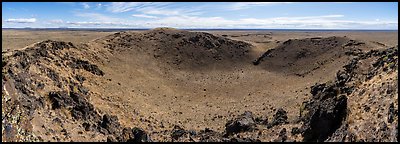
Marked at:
<point>244,122</point>
<point>82,64</point>
<point>303,56</point>
<point>20,98</point>
<point>29,77</point>
<point>266,54</point>
<point>282,137</point>
<point>280,117</point>
<point>326,115</point>
<point>179,48</point>
<point>130,135</point>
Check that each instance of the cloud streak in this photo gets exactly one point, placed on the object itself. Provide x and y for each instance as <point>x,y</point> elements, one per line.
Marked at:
<point>97,17</point>
<point>246,5</point>
<point>144,16</point>
<point>151,8</point>
<point>85,5</point>
<point>56,21</point>
<point>310,22</point>
<point>119,7</point>
<point>21,20</point>
<point>93,23</point>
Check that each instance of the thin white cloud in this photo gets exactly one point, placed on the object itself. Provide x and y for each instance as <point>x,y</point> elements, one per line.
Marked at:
<point>325,22</point>
<point>99,5</point>
<point>144,16</point>
<point>159,11</point>
<point>246,5</point>
<point>85,5</point>
<point>152,8</point>
<point>67,3</point>
<point>185,21</point>
<point>56,21</point>
<point>21,20</point>
<point>92,23</point>
<point>118,7</point>
<point>164,11</point>
<point>309,17</point>
<point>97,17</point>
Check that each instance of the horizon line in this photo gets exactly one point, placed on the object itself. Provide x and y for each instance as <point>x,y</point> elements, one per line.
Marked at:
<point>209,28</point>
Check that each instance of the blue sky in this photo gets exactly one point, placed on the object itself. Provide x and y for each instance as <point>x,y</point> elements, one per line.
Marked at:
<point>268,15</point>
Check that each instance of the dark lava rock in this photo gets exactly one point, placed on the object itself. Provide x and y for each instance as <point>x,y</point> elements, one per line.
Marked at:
<point>317,88</point>
<point>52,75</point>
<point>107,125</point>
<point>40,86</point>
<point>354,52</point>
<point>328,107</point>
<point>111,138</point>
<point>82,64</point>
<point>208,135</point>
<point>80,78</point>
<point>57,120</point>
<point>140,135</point>
<point>192,132</point>
<point>60,99</point>
<point>282,136</point>
<point>280,117</point>
<point>322,91</point>
<point>177,132</point>
<point>55,45</point>
<point>323,117</point>
<point>40,102</point>
<point>42,52</point>
<point>261,120</point>
<point>342,135</point>
<point>391,113</point>
<point>244,122</point>
<point>110,123</point>
<point>19,53</point>
<point>133,135</point>
<point>302,53</point>
<point>83,90</point>
<point>86,126</point>
<point>78,87</point>
<point>126,135</point>
<point>21,83</point>
<point>235,139</point>
<point>353,43</point>
<point>383,133</point>
<point>351,66</point>
<point>342,77</point>
<point>25,61</point>
<point>177,35</point>
<point>295,131</point>
<point>258,60</point>
<point>55,77</point>
<point>390,89</point>
<point>82,108</point>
